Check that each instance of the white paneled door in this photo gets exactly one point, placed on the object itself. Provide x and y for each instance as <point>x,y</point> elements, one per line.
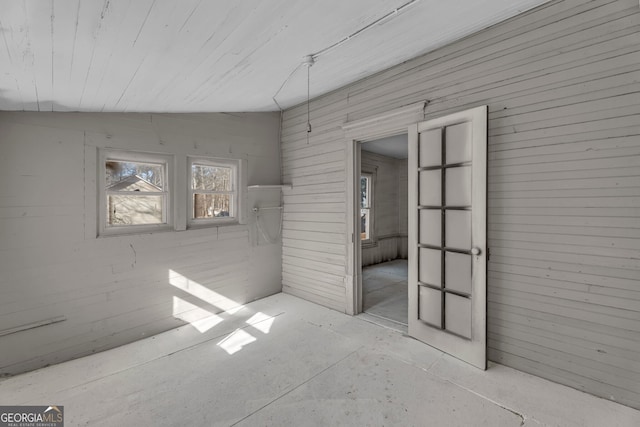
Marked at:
<point>447,234</point>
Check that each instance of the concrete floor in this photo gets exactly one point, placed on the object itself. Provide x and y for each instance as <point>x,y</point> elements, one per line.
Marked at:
<point>282,361</point>
<point>384,290</point>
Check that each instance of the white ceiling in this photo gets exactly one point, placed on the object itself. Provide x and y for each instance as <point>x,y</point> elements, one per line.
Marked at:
<point>214,55</point>
<point>393,146</point>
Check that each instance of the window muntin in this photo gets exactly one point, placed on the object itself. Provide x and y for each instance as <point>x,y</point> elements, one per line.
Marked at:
<point>366,182</point>
<point>213,191</point>
<point>136,193</point>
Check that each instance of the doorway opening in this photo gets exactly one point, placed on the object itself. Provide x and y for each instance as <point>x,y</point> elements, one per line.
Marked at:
<point>383,229</point>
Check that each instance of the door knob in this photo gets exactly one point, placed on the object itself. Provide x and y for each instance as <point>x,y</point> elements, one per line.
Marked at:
<point>475,251</point>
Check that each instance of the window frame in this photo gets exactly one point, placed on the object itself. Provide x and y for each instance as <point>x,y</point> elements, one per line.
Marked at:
<point>236,205</point>
<point>164,160</point>
<point>370,240</point>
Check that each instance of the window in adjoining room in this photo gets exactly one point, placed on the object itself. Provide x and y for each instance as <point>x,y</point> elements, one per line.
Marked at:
<point>366,183</point>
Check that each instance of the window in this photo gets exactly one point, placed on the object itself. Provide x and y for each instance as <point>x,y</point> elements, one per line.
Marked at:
<point>137,192</point>
<point>213,191</point>
<point>134,192</point>
<point>366,183</point>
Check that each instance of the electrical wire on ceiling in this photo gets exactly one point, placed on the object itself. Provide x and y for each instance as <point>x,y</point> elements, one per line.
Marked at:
<point>380,20</point>
<point>309,60</point>
<point>283,85</point>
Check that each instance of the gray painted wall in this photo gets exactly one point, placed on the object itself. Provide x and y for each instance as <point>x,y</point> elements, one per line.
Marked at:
<point>114,290</point>
<point>389,210</point>
<point>562,86</point>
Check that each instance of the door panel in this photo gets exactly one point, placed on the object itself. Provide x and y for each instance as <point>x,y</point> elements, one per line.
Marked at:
<point>430,227</point>
<point>457,229</point>
<point>430,306</point>
<point>458,272</point>
<point>430,148</point>
<point>458,186</point>
<point>447,234</point>
<point>458,315</point>
<point>458,143</point>
<point>431,193</point>
<point>430,267</point>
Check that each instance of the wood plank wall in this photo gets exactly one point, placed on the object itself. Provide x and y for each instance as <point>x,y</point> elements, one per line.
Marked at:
<point>388,212</point>
<point>562,85</point>
<point>114,290</point>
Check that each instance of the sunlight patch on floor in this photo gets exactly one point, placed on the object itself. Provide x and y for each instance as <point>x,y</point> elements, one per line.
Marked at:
<point>235,341</point>
<point>261,322</point>
<point>198,317</point>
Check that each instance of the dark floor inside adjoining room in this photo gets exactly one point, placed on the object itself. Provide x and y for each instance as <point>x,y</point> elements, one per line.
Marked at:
<point>384,290</point>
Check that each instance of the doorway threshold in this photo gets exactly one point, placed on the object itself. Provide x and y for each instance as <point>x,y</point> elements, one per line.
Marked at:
<point>384,322</point>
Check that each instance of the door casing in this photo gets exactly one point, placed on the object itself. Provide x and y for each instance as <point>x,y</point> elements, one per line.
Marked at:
<point>378,126</point>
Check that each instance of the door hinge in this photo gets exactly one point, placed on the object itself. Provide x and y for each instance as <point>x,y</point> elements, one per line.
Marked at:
<point>353,238</point>
<point>488,254</point>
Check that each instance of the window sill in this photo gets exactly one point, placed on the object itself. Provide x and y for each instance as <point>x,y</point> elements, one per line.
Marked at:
<point>212,224</point>
<point>133,230</point>
<point>270,187</point>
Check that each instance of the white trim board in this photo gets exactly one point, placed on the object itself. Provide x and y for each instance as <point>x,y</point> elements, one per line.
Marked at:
<point>385,124</point>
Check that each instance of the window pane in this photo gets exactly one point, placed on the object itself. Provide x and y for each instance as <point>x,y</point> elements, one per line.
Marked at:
<point>364,224</point>
<point>134,209</point>
<point>212,178</point>
<point>364,192</point>
<point>134,176</point>
<point>212,206</point>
